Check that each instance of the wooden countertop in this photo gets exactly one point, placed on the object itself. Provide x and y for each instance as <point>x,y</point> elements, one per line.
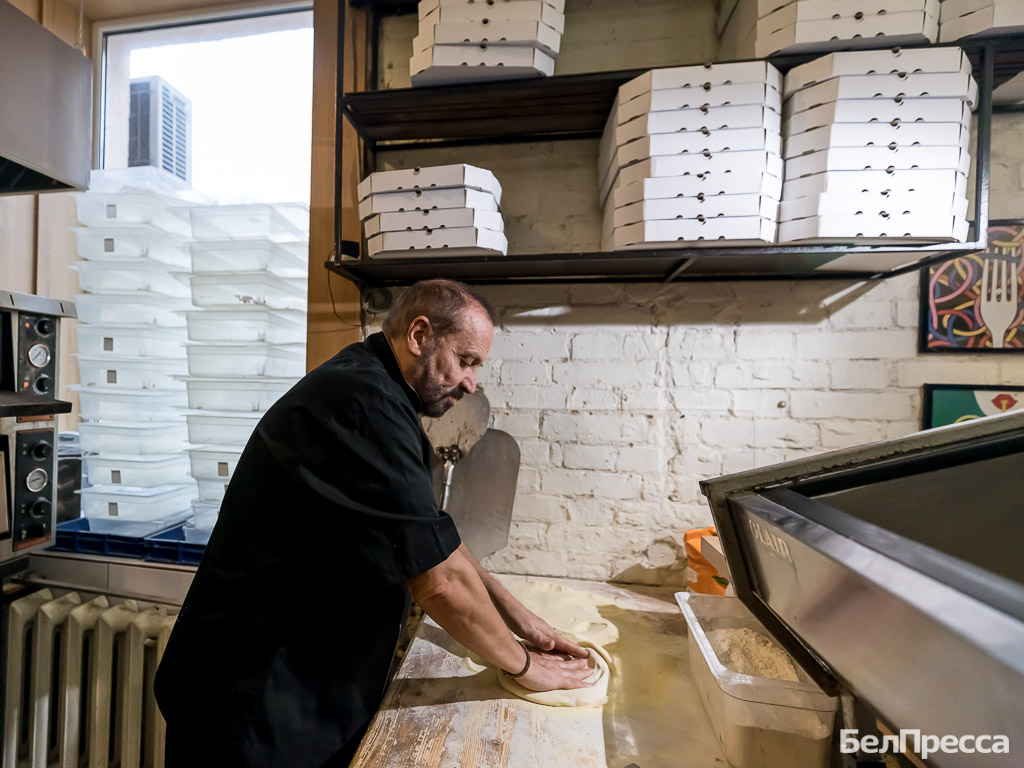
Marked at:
<point>438,713</point>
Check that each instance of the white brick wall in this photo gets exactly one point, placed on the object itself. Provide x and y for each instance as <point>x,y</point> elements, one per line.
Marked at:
<point>623,397</point>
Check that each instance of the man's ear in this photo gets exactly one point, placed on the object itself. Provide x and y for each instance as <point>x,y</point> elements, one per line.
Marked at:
<point>418,336</point>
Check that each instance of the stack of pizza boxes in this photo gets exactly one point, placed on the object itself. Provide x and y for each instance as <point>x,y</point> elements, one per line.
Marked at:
<point>440,211</point>
<point>466,40</point>
<point>963,18</point>
<point>693,155</point>
<point>876,145</point>
<point>757,28</point>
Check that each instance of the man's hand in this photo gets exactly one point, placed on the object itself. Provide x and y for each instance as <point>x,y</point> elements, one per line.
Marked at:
<point>534,630</point>
<point>549,672</point>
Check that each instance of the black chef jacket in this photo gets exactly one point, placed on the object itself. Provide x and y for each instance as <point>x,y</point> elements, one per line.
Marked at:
<point>281,651</point>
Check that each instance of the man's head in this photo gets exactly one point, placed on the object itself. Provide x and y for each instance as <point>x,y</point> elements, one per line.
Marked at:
<point>441,332</point>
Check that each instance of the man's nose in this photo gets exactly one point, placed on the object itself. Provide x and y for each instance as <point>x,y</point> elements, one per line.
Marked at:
<point>469,383</point>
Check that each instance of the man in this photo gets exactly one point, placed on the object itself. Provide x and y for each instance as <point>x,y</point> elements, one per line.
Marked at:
<point>281,652</point>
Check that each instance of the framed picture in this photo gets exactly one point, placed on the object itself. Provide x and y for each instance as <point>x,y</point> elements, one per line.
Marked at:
<point>952,403</point>
<point>976,303</point>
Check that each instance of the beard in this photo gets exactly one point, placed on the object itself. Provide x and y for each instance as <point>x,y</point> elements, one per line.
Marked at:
<point>435,398</point>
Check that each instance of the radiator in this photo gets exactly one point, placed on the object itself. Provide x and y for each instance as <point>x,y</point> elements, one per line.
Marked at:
<point>79,682</point>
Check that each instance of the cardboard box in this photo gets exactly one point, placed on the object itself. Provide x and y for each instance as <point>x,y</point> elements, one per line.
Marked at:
<point>699,98</point>
<point>695,164</point>
<point>999,19</point>
<point>526,33</point>
<point>951,10</point>
<point>668,144</point>
<point>891,87</point>
<point>462,241</point>
<point>877,134</point>
<point>911,27</point>
<point>855,10</point>
<point>877,183</point>
<point>703,76</point>
<point>885,62</point>
<point>879,111</point>
<point>425,200</point>
<point>467,63</point>
<point>502,10</point>
<point>879,159</point>
<point>907,227</point>
<point>708,119</point>
<point>736,230</point>
<point>738,183</point>
<point>431,177</point>
<point>441,218</point>
<point>938,202</point>
<point>703,207</point>
<point>426,7</point>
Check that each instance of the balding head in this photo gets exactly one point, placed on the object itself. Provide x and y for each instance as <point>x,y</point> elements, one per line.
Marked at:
<point>441,332</point>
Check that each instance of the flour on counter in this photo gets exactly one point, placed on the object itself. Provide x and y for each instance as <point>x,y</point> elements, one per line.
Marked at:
<point>751,653</point>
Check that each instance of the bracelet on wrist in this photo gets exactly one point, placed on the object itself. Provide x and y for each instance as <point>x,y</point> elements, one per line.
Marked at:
<point>526,667</point>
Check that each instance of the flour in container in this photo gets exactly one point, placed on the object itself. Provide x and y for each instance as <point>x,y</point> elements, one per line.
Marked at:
<point>751,653</point>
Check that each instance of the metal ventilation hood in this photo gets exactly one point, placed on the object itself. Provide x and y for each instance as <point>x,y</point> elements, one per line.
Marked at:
<point>45,108</point>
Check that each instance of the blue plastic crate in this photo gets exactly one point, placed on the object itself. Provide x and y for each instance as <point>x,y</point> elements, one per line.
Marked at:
<point>170,547</point>
<point>77,536</point>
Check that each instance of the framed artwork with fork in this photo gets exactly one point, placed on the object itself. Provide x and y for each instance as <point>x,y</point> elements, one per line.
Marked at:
<point>954,403</point>
<point>976,303</point>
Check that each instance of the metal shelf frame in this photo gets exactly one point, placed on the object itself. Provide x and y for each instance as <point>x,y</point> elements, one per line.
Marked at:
<point>576,106</point>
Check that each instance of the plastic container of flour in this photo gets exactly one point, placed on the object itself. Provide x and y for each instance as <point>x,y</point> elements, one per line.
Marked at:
<point>760,722</point>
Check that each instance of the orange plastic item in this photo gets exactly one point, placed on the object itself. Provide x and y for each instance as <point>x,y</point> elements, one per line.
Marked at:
<point>701,576</point>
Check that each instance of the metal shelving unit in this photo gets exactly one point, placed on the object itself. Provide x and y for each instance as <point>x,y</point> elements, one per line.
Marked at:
<point>576,106</point>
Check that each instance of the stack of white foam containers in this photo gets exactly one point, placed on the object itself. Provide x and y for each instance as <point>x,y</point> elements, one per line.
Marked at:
<point>963,18</point>
<point>466,40</point>
<point>444,210</point>
<point>876,145</point>
<point>693,155</point>
<point>246,337</point>
<point>131,345</point>
<point>758,28</point>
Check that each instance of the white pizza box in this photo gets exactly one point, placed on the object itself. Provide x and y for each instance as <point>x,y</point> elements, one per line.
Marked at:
<point>458,175</point>
<point>667,144</point>
<point>877,183</point>
<point>522,32</point>
<point>946,204</point>
<point>444,218</point>
<point>1000,18</point>
<point>890,111</point>
<point>951,10</point>
<point>426,200</point>
<point>707,119</point>
<point>694,164</point>
<point>891,29</point>
<point>704,76</point>
<point>950,85</point>
<point>704,207</point>
<point>469,63</point>
<point>884,62</point>
<point>879,159</point>
<point>701,185</point>
<point>860,11</point>
<point>910,226</point>
<point>736,230</point>
<point>460,241</point>
<point>499,10</point>
<point>876,134</point>
<point>670,99</point>
<point>426,7</point>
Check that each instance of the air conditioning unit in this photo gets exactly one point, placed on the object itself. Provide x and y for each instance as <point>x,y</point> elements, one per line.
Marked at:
<point>160,127</point>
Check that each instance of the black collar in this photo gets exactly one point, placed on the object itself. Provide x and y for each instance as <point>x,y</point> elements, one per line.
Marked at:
<point>381,347</point>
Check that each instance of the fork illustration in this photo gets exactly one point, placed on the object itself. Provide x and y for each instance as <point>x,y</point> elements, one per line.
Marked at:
<point>997,304</point>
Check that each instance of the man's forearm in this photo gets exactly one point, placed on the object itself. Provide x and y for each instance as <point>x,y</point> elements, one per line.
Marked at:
<point>501,597</point>
<point>456,596</point>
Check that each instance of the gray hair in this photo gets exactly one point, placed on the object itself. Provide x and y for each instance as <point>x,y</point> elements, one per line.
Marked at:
<point>443,302</point>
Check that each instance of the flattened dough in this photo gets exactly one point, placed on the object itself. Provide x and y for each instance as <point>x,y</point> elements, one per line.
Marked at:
<point>594,696</point>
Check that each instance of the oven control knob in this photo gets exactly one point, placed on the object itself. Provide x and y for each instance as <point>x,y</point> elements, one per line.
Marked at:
<point>43,385</point>
<point>45,326</point>
<point>40,508</point>
<point>42,451</point>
